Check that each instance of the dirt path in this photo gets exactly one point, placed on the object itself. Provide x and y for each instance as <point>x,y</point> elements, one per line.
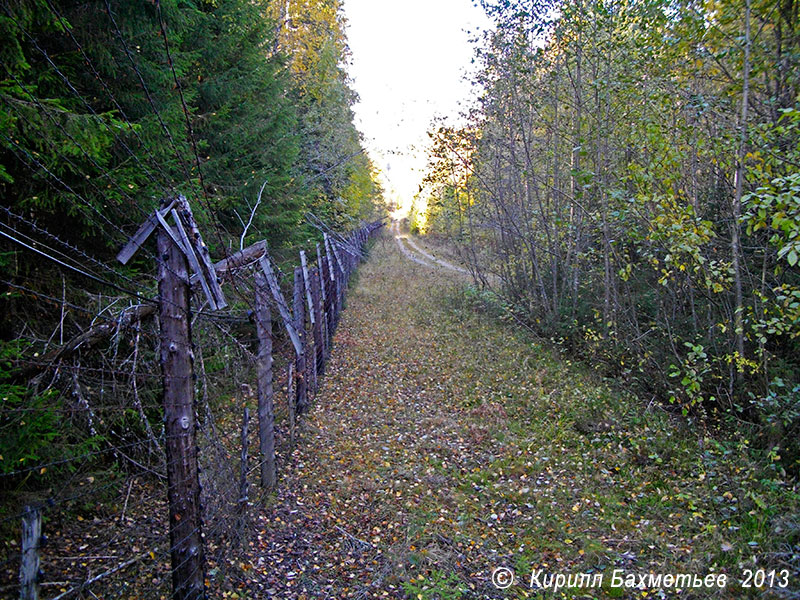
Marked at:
<point>442,447</point>
<point>414,254</point>
<point>346,514</point>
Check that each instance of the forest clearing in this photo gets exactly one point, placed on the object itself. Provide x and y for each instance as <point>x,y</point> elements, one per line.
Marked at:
<point>446,444</point>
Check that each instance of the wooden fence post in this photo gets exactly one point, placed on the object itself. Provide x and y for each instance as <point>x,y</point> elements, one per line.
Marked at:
<point>353,248</point>
<point>330,305</point>
<point>241,504</point>
<point>283,309</point>
<point>186,541</point>
<point>294,334</point>
<point>341,282</point>
<point>243,488</point>
<point>336,289</point>
<point>299,311</point>
<point>266,414</point>
<point>312,319</point>
<point>29,564</point>
<point>290,401</point>
<point>341,279</point>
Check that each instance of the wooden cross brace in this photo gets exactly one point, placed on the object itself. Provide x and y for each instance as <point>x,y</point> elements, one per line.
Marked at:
<point>332,247</point>
<point>283,308</point>
<point>186,236</point>
<point>307,281</point>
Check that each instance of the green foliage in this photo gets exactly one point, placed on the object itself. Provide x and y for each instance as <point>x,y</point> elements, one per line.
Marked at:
<point>781,201</point>
<point>775,206</point>
<point>446,194</point>
<point>29,424</point>
<point>437,586</point>
<point>34,431</point>
<point>248,131</point>
<point>779,411</point>
<point>691,372</point>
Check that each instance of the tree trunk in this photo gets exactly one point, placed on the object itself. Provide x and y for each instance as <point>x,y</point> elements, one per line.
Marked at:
<point>738,319</point>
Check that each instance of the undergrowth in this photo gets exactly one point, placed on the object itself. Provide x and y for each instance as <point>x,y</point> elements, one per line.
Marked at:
<point>640,485</point>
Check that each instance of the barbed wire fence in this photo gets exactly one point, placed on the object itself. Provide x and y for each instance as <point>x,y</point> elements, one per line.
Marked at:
<point>142,462</point>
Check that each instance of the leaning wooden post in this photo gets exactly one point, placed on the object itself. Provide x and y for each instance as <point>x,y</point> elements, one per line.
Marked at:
<point>341,282</point>
<point>289,323</point>
<point>347,263</point>
<point>266,414</point>
<point>351,241</point>
<point>183,484</point>
<point>323,303</point>
<point>319,355</point>
<point>299,312</point>
<point>29,564</point>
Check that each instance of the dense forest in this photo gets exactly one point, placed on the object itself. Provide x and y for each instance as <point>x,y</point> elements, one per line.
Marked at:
<point>109,107</point>
<point>108,110</point>
<point>627,186</point>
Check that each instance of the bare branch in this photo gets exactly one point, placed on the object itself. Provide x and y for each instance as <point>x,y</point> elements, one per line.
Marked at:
<point>252,214</point>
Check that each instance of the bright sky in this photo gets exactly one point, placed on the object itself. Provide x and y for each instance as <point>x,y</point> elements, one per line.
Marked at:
<point>409,59</point>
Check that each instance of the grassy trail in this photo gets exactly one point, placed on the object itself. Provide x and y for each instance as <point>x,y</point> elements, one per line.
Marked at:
<point>443,445</point>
